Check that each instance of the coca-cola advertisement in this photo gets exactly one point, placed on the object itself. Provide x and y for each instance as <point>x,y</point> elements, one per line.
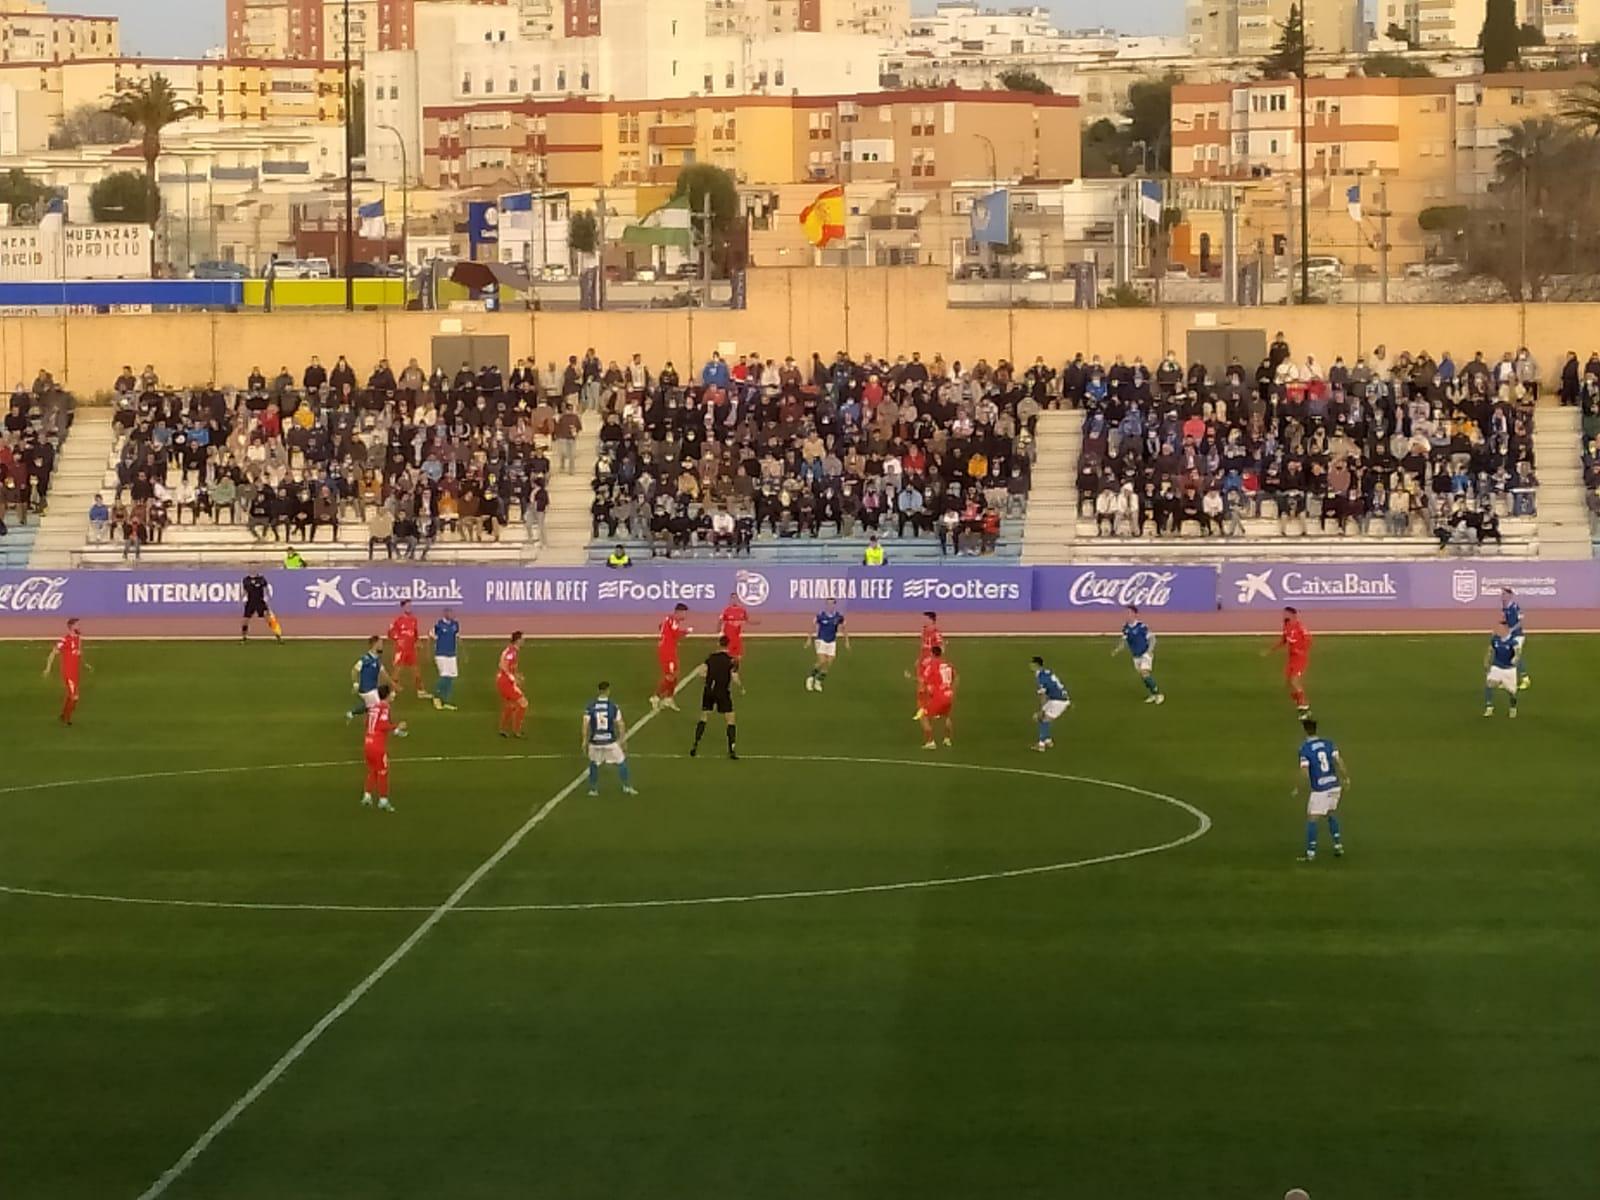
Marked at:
<point>1159,588</point>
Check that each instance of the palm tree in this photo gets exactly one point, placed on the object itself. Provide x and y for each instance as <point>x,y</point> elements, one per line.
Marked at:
<point>150,106</point>
<point>1530,155</point>
<point>1581,106</point>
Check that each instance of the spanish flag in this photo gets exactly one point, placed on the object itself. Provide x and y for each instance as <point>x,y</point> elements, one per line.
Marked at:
<point>823,218</point>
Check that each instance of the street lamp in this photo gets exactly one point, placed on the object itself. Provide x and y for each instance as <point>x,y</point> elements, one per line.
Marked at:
<point>405,202</point>
<point>188,208</point>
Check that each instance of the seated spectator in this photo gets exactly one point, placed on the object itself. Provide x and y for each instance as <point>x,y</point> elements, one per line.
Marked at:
<point>99,519</point>
<point>380,531</point>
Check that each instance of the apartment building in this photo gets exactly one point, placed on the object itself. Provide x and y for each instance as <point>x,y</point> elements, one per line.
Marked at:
<point>34,97</point>
<point>29,34</point>
<point>1250,28</point>
<point>1441,134</point>
<point>758,18</point>
<point>917,139</point>
<point>314,29</point>
<point>468,56</point>
<point>1450,24</point>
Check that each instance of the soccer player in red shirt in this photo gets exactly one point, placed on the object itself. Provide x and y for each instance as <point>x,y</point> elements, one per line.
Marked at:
<point>380,724</point>
<point>513,701</point>
<point>674,628</point>
<point>731,625</point>
<point>931,639</point>
<point>404,634</point>
<point>937,683</point>
<point>69,649</point>
<point>1297,640</point>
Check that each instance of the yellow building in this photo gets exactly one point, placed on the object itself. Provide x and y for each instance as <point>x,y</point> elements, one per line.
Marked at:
<point>35,96</point>
<point>29,34</point>
<point>914,138</point>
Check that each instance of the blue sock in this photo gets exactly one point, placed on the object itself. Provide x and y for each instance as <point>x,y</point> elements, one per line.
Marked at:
<point>1311,837</point>
<point>622,770</point>
<point>1150,684</point>
<point>1044,731</point>
<point>1333,828</point>
<point>360,708</point>
<point>594,776</point>
<point>443,689</point>
<point>1488,697</point>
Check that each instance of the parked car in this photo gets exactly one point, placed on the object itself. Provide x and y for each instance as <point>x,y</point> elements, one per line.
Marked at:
<point>302,268</point>
<point>1036,274</point>
<point>1438,268</point>
<point>1324,267</point>
<point>687,270</point>
<point>219,270</point>
<point>645,275</point>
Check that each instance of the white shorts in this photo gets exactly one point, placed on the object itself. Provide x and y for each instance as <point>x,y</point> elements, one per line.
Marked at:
<point>1320,804</point>
<point>1054,708</point>
<point>370,699</point>
<point>827,649</point>
<point>604,753</point>
<point>446,663</point>
<point>1503,677</point>
<point>1145,663</point>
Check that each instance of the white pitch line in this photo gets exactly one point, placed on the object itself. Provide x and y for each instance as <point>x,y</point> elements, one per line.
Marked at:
<point>311,1036</point>
<point>1202,827</point>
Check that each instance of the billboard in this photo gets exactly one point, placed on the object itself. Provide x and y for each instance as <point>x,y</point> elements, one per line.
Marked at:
<point>120,251</point>
<point>1314,585</point>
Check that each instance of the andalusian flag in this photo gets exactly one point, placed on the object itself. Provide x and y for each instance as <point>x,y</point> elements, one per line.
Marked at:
<point>823,218</point>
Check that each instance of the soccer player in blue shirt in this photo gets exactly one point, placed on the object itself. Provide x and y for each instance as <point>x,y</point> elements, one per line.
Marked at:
<point>1141,646</point>
<point>367,676</point>
<point>1512,612</point>
<point>1053,702</point>
<point>830,626</point>
<point>1326,779</point>
<point>1505,650</point>
<point>446,636</point>
<point>605,739</point>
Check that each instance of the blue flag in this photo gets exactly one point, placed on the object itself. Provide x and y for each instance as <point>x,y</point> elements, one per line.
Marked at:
<point>991,219</point>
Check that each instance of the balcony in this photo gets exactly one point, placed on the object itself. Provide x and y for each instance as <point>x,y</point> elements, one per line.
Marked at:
<point>672,135</point>
<point>665,175</point>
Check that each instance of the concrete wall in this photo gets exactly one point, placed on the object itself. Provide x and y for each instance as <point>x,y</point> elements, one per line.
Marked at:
<point>792,310</point>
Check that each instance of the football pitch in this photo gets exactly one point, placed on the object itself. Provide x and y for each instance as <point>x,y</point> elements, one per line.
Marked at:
<point>841,967</point>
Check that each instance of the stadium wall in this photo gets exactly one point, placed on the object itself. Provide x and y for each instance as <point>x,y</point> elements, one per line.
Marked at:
<point>791,310</point>
<point>593,599</point>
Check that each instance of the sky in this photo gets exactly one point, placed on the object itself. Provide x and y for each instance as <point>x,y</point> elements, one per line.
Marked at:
<point>188,28</point>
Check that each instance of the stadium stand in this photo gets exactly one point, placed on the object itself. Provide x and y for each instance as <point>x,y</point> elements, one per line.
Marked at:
<point>37,420</point>
<point>827,461</point>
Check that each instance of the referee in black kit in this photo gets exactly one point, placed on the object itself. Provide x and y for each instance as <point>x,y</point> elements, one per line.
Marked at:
<point>722,675</point>
<point>255,605</point>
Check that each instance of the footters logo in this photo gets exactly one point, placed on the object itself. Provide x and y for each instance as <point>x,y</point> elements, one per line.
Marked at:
<point>971,588</point>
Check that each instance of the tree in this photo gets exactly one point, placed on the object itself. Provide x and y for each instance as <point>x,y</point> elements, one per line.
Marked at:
<point>1498,39</point>
<point>87,125</point>
<point>1395,34</point>
<point>583,232</point>
<point>358,121</point>
<point>1149,113</point>
<point>1019,80</point>
<point>702,179</point>
<point>1105,152</point>
<point>125,196</point>
<point>1581,106</point>
<point>25,196</point>
<point>1532,155</point>
<point>1288,57</point>
<point>1393,66</point>
<point>150,106</point>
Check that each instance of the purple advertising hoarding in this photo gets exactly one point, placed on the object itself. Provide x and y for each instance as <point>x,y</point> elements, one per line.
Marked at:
<point>489,589</point>
<point>1314,585</point>
<point>1536,584</point>
<point>1166,589</point>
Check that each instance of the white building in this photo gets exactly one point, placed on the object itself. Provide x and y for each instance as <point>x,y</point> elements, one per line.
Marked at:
<point>651,49</point>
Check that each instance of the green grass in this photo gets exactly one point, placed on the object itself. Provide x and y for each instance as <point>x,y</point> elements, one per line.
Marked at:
<point>1418,1019</point>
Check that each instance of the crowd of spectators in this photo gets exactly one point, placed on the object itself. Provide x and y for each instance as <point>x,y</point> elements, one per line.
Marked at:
<point>37,419</point>
<point>414,458</point>
<point>752,447</point>
<point>1403,444</point>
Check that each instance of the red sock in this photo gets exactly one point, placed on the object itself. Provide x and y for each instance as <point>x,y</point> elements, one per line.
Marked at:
<point>505,717</point>
<point>1299,697</point>
<point>518,715</point>
<point>69,707</point>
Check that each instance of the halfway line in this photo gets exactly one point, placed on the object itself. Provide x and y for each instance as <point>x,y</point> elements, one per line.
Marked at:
<point>309,1038</point>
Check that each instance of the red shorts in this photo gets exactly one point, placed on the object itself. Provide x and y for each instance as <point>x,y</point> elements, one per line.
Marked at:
<point>510,689</point>
<point>669,665</point>
<point>377,760</point>
<point>1295,668</point>
<point>939,704</point>
<point>405,656</point>
<point>70,682</point>
<point>735,647</point>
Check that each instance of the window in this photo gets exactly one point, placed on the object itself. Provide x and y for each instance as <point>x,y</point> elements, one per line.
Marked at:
<point>561,79</point>
<point>583,79</point>
<point>777,73</point>
<point>466,84</point>
<point>728,76</point>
